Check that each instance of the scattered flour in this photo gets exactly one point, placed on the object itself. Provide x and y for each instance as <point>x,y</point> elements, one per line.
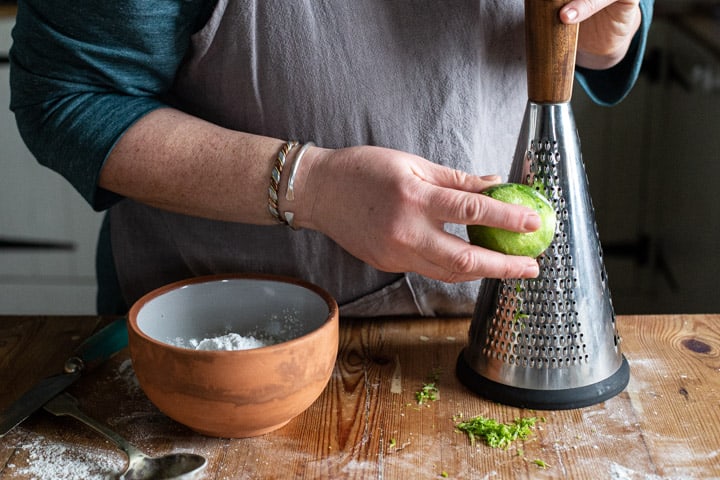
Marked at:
<point>46,459</point>
<point>125,375</point>
<point>620,472</point>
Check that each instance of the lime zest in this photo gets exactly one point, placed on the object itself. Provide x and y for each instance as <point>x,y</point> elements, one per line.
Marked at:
<point>429,391</point>
<point>496,434</point>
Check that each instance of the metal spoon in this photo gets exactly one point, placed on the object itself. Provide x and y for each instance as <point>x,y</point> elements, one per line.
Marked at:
<point>183,466</point>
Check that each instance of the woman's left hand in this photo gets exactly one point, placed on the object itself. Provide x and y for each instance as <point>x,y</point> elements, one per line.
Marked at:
<point>607,28</point>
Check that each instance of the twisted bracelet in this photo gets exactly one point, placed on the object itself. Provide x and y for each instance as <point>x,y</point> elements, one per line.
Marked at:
<point>275,180</point>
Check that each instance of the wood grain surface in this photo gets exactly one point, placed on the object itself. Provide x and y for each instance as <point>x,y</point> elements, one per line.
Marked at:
<point>551,48</point>
<point>367,423</point>
<point>35,347</point>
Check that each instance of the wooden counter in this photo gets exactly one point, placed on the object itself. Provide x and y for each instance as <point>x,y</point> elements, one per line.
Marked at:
<point>367,424</point>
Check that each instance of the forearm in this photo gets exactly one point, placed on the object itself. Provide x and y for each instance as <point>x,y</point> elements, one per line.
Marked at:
<point>84,72</point>
<point>611,85</point>
<point>177,162</point>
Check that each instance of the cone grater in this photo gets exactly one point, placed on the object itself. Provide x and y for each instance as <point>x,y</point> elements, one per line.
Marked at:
<point>550,342</point>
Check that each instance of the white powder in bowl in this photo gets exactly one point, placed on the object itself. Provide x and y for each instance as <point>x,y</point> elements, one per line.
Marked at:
<point>277,328</point>
<point>229,341</point>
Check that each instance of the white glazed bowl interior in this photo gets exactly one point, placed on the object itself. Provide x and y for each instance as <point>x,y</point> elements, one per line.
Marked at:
<point>246,306</point>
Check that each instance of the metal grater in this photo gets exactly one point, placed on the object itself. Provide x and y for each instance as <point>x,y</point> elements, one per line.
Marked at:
<point>550,342</point>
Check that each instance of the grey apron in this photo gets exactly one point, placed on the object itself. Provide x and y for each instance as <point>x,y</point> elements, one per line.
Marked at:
<point>444,80</point>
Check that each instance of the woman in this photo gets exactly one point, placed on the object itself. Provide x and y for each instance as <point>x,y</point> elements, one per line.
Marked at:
<point>174,114</point>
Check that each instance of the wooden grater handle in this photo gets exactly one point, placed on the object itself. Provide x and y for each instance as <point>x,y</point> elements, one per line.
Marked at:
<point>551,47</point>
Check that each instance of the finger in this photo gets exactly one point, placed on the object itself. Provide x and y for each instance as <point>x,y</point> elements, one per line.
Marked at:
<point>441,176</point>
<point>451,259</point>
<point>577,11</point>
<point>450,206</point>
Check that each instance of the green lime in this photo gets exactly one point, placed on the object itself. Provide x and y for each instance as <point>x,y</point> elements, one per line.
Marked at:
<point>513,243</point>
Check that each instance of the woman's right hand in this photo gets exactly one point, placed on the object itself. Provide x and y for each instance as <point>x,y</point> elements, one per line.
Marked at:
<point>385,207</point>
<point>389,208</point>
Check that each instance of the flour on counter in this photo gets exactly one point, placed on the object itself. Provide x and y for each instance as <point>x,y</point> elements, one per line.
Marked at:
<point>59,461</point>
<point>126,376</point>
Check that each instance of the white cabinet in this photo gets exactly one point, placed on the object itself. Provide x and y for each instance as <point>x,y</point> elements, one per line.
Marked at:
<point>36,204</point>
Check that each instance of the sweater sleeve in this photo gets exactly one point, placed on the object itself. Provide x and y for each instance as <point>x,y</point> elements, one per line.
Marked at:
<point>82,72</point>
<point>609,87</point>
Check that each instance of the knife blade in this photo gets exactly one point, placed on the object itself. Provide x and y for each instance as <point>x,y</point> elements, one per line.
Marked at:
<point>97,348</point>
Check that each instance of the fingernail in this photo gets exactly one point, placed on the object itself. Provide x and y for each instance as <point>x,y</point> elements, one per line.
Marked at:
<point>490,178</point>
<point>532,222</point>
<point>570,14</point>
<point>532,270</point>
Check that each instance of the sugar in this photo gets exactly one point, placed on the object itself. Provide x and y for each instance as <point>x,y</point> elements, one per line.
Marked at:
<point>231,341</point>
<point>277,328</point>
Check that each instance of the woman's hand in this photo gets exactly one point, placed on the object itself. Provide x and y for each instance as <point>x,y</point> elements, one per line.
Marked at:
<point>388,208</point>
<point>607,28</point>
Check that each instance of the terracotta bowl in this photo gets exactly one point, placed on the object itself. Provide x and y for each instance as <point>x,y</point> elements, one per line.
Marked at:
<point>234,393</point>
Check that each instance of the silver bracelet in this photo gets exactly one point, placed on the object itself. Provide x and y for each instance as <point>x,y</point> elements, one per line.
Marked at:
<point>290,192</point>
<point>275,180</point>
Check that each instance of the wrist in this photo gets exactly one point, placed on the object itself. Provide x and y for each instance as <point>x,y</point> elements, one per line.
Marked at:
<point>594,61</point>
<point>277,179</point>
<point>296,198</point>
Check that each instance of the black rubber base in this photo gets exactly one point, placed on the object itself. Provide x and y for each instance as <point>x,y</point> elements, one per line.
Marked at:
<point>543,399</point>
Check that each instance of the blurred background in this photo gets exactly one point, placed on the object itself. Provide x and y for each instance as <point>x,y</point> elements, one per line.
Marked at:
<point>652,163</point>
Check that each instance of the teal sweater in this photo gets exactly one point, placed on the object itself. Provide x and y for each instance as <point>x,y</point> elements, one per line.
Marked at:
<point>83,72</point>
